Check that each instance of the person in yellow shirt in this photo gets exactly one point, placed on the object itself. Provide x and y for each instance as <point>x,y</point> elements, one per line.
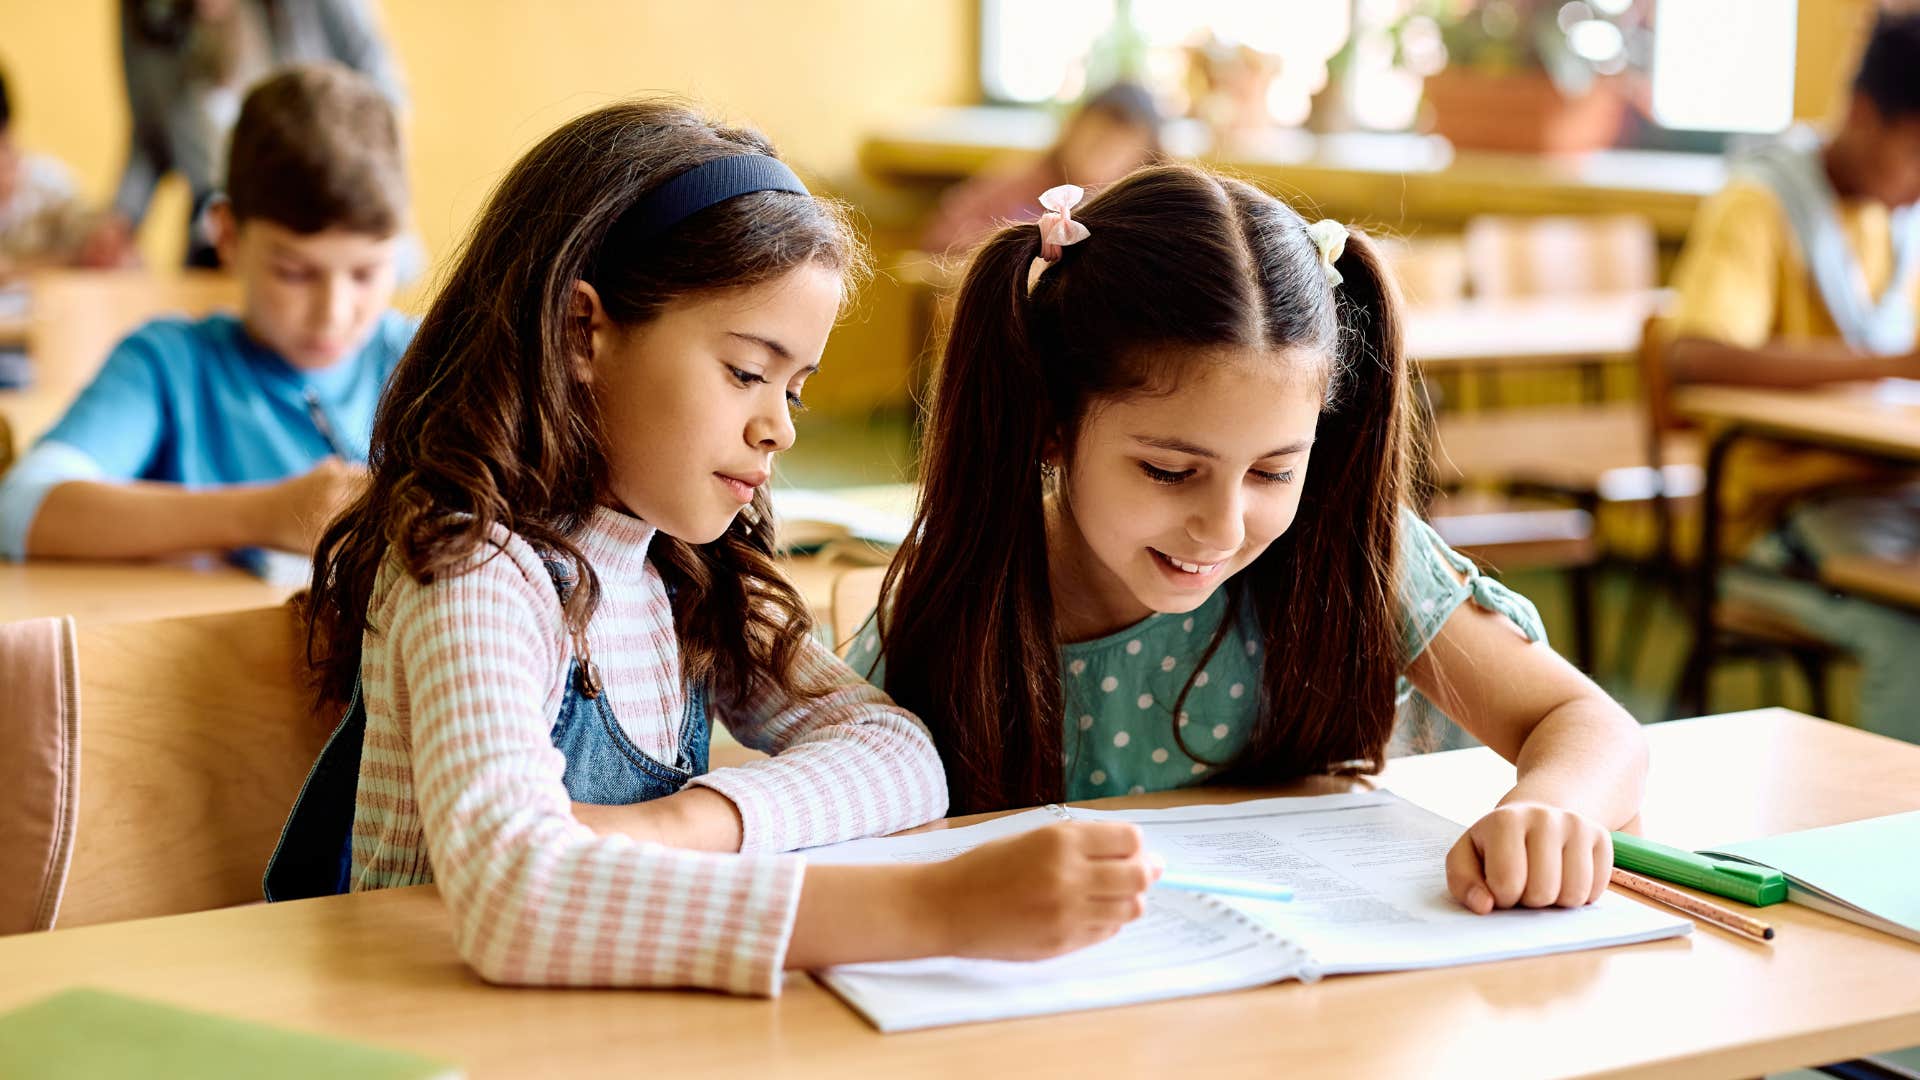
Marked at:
<point>1803,270</point>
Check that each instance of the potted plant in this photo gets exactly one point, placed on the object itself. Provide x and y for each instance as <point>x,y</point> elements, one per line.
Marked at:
<point>1529,76</point>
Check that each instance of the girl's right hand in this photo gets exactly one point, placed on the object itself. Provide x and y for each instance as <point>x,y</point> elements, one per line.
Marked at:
<point>1042,893</point>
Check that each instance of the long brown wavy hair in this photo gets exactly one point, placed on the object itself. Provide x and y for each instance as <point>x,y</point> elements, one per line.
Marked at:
<point>1181,261</point>
<point>486,423</point>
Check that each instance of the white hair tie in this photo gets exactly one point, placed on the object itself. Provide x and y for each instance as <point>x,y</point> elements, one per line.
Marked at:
<point>1331,238</point>
<point>1057,227</point>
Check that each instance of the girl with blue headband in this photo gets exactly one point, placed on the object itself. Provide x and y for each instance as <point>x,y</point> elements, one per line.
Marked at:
<point>561,573</point>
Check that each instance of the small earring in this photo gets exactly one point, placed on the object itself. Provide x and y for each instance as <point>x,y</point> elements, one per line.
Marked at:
<point>1046,470</point>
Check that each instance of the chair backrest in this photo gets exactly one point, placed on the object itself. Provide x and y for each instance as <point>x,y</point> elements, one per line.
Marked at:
<point>1560,255</point>
<point>1656,381</point>
<point>856,593</point>
<point>1431,271</point>
<point>195,736</point>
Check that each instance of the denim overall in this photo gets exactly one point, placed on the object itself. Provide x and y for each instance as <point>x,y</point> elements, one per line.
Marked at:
<point>315,854</point>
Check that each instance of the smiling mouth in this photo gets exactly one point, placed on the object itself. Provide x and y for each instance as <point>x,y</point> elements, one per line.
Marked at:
<point>1191,568</point>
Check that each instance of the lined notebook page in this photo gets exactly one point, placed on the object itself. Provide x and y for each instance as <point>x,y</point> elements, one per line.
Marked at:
<point>1185,944</point>
<point>1369,877</point>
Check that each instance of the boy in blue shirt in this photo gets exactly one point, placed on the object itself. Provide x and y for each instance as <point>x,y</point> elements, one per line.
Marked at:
<point>244,432</point>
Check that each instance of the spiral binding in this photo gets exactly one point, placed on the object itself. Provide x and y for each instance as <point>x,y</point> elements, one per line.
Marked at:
<point>1306,969</point>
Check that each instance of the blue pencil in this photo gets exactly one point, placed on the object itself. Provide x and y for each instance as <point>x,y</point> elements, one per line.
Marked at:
<point>1252,890</point>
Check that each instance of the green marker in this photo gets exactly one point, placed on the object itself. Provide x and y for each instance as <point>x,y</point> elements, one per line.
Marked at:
<point>1756,885</point>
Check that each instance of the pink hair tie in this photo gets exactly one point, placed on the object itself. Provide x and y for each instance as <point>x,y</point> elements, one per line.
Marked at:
<point>1057,227</point>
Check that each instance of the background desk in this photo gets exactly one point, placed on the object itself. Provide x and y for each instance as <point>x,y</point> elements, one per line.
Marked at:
<point>381,967</point>
<point>1848,418</point>
<point>102,591</point>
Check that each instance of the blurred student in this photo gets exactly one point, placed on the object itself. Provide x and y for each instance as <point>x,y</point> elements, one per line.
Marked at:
<point>41,215</point>
<point>1805,270</point>
<point>244,431</point>
<point>186,64</point>
<point>1112,133</point>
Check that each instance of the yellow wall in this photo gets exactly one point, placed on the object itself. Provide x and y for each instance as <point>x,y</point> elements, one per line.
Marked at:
<point>489,77</point>
<point>1828,39</point>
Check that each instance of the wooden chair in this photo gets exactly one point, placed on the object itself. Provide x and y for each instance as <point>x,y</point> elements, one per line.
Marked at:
<point>1525,484</point>
<point>1599,459</point>
<point>1504,534</point>
<point>1740,629</point>
<point>1509,257</point>
<point>196,735</point>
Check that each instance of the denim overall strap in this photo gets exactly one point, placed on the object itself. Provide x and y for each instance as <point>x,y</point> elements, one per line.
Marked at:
<point>315,854</point>
<point>605,768</point>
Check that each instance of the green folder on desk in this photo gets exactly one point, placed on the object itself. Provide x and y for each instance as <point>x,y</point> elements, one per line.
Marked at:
<point>103,1036</point>
<point>1866,872</point>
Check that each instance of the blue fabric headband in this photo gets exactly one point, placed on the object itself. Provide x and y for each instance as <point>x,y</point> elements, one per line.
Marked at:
<point>706,185</point>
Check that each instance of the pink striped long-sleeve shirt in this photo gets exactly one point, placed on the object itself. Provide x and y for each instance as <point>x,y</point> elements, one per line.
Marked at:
<point>460,782</point>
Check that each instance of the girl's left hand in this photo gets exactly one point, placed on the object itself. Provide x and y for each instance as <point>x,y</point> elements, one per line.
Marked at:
<point>1530,854</point>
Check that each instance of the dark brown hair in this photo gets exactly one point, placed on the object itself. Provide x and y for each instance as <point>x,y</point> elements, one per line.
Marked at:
<point>1181,261</point>
<point>486,423</point>
<point>317,147</point>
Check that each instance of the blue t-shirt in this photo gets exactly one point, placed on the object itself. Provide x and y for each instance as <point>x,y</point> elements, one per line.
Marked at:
<point>200,403</point>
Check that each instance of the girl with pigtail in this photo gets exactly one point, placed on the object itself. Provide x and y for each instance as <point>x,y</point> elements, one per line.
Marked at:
<point>1164,538</point>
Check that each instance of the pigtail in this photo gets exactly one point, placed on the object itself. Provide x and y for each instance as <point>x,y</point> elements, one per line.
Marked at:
<point>968,628</point>
<point>1327,595</point>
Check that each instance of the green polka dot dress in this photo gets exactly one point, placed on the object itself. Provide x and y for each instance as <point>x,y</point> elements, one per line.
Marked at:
<point>1123,735</point>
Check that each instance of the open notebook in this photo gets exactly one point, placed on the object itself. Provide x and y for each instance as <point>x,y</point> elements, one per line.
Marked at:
<point>1369,879</point>
<point>1866,872</point>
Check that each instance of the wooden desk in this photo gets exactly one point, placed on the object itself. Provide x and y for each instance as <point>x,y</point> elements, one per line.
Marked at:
<point>1847,417</point>
<point>93,591</point>
<point>1896,584</point>
<point>1389,179</point>
<point>113,591</point>
<point>1855,418</point>
<point>381,967</point>
<point>1532,332</point>
<point>1603,448</point>
<point>79,315</point>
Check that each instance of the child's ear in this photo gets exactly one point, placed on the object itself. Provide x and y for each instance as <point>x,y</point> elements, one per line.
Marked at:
<point>590,320</point>
<point>1050,455</point>
<point>224,228</point>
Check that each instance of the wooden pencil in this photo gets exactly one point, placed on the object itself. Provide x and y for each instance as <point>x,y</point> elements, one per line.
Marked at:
<point>1706,910</point>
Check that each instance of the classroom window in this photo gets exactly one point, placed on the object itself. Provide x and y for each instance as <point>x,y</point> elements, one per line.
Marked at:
<point>1724,65</point>
<point>1710,65</point>
<point>1055,52</point>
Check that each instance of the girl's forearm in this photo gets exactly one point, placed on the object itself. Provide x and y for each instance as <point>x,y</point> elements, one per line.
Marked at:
<point>697,819</point>
<point>858,914</point>
<point>89,519</point>
<point>1587,756</point>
